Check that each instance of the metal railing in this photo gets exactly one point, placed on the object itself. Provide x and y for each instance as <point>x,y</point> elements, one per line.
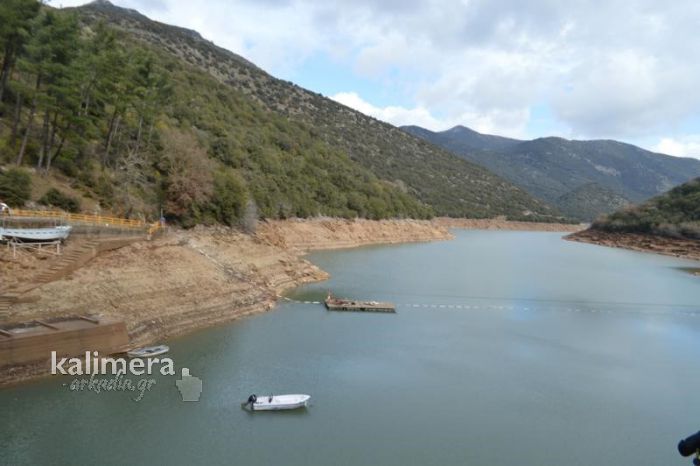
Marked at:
<point>96,220</point>
<point>154,228</point>
<point>85,218</point>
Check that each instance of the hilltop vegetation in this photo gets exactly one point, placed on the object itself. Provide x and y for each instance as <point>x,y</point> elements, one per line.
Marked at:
<point>589,201</point>
<point>448,184</point>
<point>675,214</point>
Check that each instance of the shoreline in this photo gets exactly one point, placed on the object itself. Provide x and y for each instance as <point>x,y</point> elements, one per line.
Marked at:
<point>190,280</point>
<point>510,225</point>
<point>680,248</point>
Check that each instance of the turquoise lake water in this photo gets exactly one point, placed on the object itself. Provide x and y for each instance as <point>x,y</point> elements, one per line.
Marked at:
<point>507,348</point>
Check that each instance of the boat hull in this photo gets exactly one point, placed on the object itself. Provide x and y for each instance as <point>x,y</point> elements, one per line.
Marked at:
<point>36,234</point>
<point>148,352</point>
<point>280,403</point>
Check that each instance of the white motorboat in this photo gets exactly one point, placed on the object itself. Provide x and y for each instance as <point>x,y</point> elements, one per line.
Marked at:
<point>276,402</point>
<point>36,234</point>
<point>148,351</point>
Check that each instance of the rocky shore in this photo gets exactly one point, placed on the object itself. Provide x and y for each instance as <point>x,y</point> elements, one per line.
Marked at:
<point>186,280</point>
<point>683,248</point>
<point>302,235</point>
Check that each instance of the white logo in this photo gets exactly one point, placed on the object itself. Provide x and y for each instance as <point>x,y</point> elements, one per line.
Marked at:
<point>95,366</point>
<point>190,387</point>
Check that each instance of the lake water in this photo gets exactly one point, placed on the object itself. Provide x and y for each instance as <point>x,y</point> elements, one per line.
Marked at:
<point>507,348</point>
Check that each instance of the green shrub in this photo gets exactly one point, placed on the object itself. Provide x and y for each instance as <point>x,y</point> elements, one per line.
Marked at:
<point>15,187</point>
<point>56,198</point>
<point>229,198</point>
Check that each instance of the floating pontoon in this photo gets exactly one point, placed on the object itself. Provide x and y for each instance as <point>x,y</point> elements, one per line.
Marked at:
<point>337,304</point>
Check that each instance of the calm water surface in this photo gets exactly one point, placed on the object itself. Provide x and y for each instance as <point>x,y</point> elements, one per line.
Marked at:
<point>507,348</point>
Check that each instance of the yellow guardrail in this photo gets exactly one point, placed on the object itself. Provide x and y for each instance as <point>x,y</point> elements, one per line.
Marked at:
<point>153,229</point>
<point>85,218</point>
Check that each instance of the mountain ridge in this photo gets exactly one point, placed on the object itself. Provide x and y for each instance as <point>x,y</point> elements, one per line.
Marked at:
<point>463,138</point>
<point>550,167</point>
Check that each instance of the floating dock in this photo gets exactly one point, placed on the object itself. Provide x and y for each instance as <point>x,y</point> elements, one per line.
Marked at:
<point>337,304</point>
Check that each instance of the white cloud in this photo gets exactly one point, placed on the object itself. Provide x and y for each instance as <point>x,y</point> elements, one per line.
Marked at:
<point>688,146</point>
<point>395,115</point>
<point>624,69</point>
<point>506,123</point>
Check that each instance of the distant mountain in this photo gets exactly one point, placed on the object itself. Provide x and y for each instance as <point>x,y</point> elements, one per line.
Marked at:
<point>588,201</point>
<point>674,214</point>
<point>552,168</point>
<point>449,185</point>
<point>461,139</point>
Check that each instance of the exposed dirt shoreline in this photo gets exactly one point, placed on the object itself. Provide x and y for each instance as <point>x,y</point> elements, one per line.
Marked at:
<point>502,224</point>
<point>683,248</point>
<point>187,280</point>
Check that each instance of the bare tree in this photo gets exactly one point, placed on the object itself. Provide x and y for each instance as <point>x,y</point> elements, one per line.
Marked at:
<point>189,172</point>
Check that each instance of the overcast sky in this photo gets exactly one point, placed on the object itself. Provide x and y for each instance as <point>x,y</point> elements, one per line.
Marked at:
<point>621,69</point>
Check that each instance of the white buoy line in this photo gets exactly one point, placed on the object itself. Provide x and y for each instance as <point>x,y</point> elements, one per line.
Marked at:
<point>529,308</point>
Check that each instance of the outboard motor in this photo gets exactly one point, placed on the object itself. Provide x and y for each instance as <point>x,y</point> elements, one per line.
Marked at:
<point>691,446</point>
<point>251,401</point>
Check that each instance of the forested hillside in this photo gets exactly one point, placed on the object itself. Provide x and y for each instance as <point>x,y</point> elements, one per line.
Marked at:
<point>589,201</point>
<point>138,130</point>
<point>675,214</point>
<point>138,116</point>
<point>450,185</point>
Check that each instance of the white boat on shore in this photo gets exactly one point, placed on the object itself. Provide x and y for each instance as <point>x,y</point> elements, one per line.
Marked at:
<point>148,351</point>
<point>36,234</point>
<point>276,402</point>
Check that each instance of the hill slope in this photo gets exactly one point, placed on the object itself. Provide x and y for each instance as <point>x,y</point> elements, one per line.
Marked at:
<point>451,186</point>
<point>550,168</point>
<point>111,123</point>
<point>674,214</point>
<point>590,200</point>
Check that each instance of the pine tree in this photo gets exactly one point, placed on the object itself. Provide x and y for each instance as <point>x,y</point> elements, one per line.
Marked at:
<point>151,90</point>
<point>15,21</point>
<point>48,58</point>
<point>62,96</point>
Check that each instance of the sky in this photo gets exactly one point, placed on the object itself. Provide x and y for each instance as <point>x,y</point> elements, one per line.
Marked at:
<point>579,69</point>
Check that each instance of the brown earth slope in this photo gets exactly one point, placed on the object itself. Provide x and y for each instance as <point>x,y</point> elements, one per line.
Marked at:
<point>306,235</point>
<point>503,224</point>
<point>181,281</point>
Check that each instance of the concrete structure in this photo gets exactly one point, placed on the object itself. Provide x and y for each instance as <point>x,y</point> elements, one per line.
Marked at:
<point>34,341</point>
